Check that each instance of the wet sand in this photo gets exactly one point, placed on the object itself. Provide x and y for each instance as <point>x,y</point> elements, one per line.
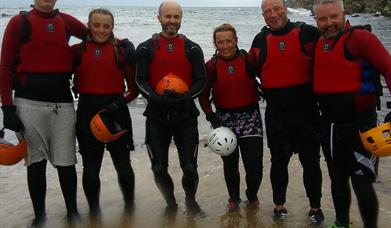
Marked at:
<point>16,208</point>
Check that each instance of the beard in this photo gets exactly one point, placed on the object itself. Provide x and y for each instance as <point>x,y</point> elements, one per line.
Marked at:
<point>171,29</point>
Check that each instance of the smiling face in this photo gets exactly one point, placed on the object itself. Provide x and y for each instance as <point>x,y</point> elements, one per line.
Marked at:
<point>170,18</point>
<point>275,14</point>
<point>330,18</point>
<point>225,43</point>
<point>45,6</point>
<point>101,27</point>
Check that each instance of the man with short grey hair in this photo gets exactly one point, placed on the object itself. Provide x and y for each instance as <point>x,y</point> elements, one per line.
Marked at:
<point>283,54</point>
<point>346,82</point>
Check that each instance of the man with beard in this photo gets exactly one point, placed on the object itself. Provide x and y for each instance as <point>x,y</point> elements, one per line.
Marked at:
<point>345,55</point>
<point>172,114</point>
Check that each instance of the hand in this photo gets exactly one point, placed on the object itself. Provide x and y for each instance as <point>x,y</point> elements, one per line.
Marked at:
<point>129,50</point>
<point>212,118</point>
<point>117,105</point>
<point>10,119</point>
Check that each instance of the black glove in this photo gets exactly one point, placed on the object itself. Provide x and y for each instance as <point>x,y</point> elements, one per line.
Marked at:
<point>10,119</point>
<point>158,100</point>
<point>129,50</point>
<point>117,105</point>
<point>212,118</point>
<point>387,118</point>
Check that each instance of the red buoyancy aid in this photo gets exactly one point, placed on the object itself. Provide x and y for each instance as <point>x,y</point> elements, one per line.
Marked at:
<point>98,72</point>
<point>333,73</point>
<point>234,87</point>
<point>286,64</point>
<point>169,57</point>
<point>47,50</point>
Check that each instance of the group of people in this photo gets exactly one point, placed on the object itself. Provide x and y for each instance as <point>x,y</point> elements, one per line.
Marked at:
<point>311,78</point>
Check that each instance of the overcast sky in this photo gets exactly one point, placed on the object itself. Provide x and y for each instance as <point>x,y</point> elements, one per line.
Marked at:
<point>221,3</point>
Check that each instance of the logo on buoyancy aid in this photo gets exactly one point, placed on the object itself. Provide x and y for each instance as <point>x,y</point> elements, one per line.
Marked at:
<point>170,47</point>
<point>98,52</point>
<point>50,27</point>
<point>326,47</point>
<point>230,69</point>
<point>281,45</point>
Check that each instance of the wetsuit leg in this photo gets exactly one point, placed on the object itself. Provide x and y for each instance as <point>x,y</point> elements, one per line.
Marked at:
<point>158,138</point>
<point>340,188</point>
<point>125,174</point>
<point>281,151</point>
<point>92,162</point>
<point>232,175</point>
<point>309,155</point>
<point>68,182</point>
<point>367,199</point>
<point>91,151</point>
<point>252,154</point>
<point>36,179</point>
<point>186,140</point>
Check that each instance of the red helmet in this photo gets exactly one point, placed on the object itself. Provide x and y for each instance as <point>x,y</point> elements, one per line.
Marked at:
<point>11,154</point>
<point>171,82</point>
<point>105,128</point>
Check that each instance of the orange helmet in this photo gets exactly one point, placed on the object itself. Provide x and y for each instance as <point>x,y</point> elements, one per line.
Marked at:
<point>378,140</point>
<point>105,128</point>
<point>11,154</point>
<point>171,82</point>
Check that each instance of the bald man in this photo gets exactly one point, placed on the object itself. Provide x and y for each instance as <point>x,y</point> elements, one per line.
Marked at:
<point>283,52</point>
<point>173,114</point>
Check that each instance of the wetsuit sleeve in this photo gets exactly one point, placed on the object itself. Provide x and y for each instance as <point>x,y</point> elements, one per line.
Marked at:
<point>12,40</point>
<point>74,26</point>
<point>197,61</point>
<point>309,35</point>
<point>204,96</point>
<point>374,52</point>
<point>255,52</point>
<point>132,90</point>
<point>77,50</point>
<point>144,56</point>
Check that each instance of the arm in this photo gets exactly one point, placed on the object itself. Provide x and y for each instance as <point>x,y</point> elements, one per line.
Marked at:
<point>196,58</point>
<point>374,52</point>
<point>309,35</point>
<point>132,91</point>
<point>205,104</point>
<point>9,55</point>
<point>255,52</point>
<point>143,53</point>
<point>74,26</point>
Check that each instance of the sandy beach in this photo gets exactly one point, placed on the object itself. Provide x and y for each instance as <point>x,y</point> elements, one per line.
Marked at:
<point>16,208</point>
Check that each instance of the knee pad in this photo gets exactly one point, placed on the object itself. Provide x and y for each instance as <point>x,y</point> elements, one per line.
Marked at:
<point>159,172</point>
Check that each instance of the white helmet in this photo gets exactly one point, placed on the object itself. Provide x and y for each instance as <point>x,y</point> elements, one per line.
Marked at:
<point>222,141</point>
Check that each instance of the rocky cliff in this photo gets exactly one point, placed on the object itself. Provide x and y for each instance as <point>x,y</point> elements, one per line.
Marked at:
<point>352,6</point>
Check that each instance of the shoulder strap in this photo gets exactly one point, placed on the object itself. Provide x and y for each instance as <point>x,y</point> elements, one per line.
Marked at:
<point>213,70</point>
<point>155,40</point>
<point>300,26</point>
<point>263,46</point>
<point>26,27</point>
